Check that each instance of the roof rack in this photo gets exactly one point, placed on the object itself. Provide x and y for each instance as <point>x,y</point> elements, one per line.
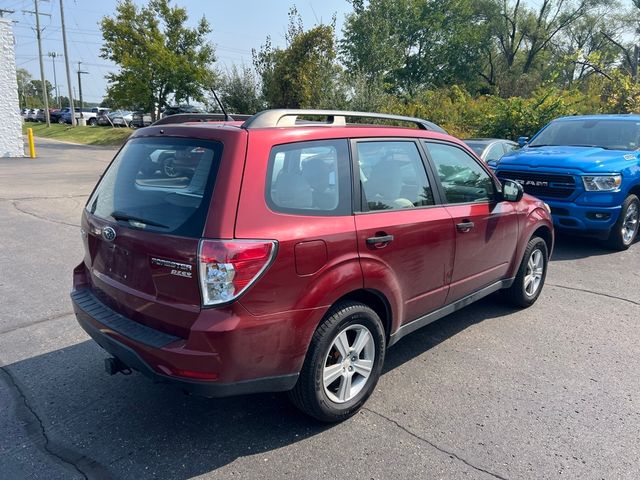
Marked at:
<point>198,117</point>
<point>289,118</point>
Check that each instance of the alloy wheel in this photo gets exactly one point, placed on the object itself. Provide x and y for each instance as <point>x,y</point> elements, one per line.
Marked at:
<point>630,223</point>
<point>348,363</point>
<point>535,271</point>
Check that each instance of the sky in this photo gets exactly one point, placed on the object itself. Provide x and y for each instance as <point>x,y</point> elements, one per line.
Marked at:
<point>238,26</point>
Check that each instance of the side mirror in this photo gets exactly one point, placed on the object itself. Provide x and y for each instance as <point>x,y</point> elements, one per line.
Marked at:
<point>522,141</point>
<point>512,191</point>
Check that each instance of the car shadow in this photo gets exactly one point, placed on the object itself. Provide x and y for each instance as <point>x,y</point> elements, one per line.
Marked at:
<point>574,247</point>
<point>130,426</point>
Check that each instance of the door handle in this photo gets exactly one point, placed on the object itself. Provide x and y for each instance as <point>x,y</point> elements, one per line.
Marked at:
<point>380,241</point>
<point>465,227</point>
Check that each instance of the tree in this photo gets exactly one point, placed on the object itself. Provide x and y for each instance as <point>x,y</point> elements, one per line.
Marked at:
<point>159,57</point>
<point>305,74</point>
<point>629,50</point>
<point>238,91</point>
<point>412,45</point>
<point>23,78</point>
<point>524,40</point>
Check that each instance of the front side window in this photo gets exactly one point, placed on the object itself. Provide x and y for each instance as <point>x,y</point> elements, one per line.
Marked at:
<point>310,178</point>
<point>462,179</point>
<point>159,184</point>
<point>392,176</point>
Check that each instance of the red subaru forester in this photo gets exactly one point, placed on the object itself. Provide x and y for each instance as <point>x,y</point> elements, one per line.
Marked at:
<point>290,251</point>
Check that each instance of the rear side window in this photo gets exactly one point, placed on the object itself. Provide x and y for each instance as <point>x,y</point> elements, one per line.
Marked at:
<point>159,184</point>
<point>310,178</point>
<point>392,176</point>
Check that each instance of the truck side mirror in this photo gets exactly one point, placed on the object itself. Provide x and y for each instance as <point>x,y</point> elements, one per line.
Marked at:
<point>522,141</point>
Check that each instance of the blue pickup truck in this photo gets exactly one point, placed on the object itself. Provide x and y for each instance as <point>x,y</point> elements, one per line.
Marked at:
<point>587,169</point>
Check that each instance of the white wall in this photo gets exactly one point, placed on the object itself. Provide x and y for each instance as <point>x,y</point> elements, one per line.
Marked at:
<point>11,143</point>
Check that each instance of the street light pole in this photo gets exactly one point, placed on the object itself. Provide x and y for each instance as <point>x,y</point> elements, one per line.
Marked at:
<point>53,56</point>
<point>67,67</point>
<point>45,93</point>
<point>80,73</point>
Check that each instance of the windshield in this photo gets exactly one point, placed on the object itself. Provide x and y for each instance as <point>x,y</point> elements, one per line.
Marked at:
<point>159,184</point>
<point>605,133</point>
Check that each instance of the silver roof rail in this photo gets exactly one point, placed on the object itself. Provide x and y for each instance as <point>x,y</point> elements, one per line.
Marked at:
<point>289,118</point>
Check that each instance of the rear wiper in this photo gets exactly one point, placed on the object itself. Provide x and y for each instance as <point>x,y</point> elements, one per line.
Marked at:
<point>130,218</point>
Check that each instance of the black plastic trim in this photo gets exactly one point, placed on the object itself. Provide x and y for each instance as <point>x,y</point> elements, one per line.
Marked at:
<point>86,301</point>
<point>414,325</point>
<point>133,360</point>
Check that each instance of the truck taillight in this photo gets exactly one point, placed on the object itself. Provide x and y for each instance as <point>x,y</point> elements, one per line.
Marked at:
<point>229,267</point>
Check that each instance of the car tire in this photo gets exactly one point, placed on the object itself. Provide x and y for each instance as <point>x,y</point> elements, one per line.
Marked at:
<point>92,122</point>
<point>531,275</point>
<point>333,386</point>
<point>61,121</point>
<point>625,230</point>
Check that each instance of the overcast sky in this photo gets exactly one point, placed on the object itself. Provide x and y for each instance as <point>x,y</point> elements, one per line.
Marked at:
<point>238,26</point>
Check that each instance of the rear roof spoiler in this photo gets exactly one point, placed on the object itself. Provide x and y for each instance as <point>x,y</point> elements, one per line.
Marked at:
<point>289,118</point>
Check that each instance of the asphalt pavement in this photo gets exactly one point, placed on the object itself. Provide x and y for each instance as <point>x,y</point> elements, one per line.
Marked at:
<point>489,392</point>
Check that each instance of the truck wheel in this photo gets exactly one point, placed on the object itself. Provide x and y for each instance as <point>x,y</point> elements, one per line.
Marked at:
<point>529,281</point>
<point>343,363</point>
<point>625,229</point>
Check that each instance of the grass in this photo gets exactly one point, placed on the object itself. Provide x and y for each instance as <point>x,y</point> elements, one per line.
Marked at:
<point>106,136</point>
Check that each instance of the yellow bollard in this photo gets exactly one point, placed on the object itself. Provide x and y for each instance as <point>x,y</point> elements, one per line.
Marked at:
<point>32,146</point>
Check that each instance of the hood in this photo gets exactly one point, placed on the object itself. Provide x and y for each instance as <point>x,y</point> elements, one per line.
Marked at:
<point>584,159</point>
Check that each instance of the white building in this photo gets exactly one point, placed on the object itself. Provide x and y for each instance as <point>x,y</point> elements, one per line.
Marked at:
<point>11,143</point>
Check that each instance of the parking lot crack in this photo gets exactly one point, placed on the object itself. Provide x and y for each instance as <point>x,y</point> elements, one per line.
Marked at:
<point>36,322</point>
<point>36,421</point>
<point>433,445</point>
<point>26,212</point>
<point>593,292</point>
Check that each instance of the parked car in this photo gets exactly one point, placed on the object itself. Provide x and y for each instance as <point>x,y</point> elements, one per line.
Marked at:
<point>32,115</point>
<point>175,109</point>
<point>140,119</point>
<point>121,118</point>
<point>491,149</point>
<point>274,268</point>
<point>89,114</point>
<point>56,116</point>
<point>102,118</point>
<point>587,168</point>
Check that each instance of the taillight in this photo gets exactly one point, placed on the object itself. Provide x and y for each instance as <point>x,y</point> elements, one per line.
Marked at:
<point>228,267</point>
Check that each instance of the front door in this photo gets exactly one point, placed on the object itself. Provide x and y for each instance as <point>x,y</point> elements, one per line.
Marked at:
<point>404,238</point>
<point>486,228</point>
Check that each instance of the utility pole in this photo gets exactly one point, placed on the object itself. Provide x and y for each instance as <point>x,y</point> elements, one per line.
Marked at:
<point>80,73</point>
<point>53,56</point>
<point>45,94</point>
<point>66,62</point>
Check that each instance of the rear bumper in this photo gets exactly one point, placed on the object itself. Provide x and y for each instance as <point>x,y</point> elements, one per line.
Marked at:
<point>157,354</point>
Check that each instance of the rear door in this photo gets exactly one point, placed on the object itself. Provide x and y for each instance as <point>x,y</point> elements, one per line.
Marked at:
<point>486,229</point>
<point>403,235</point>
<point>142,230</point>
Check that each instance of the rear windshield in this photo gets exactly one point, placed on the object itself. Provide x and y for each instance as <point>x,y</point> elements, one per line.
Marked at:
<point>605,133</point>
<point>159,184</point>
